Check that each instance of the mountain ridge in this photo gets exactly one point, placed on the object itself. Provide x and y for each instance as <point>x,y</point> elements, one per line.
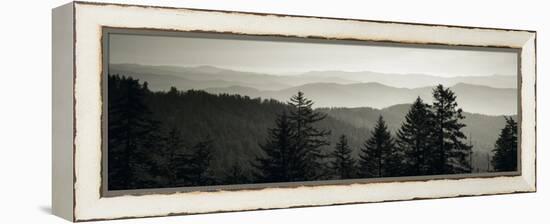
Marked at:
<point>336,92</point>
<point>472,98</point>
<point>413,80</point>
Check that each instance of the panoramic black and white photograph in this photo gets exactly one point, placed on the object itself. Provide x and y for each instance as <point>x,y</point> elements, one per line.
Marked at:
<point>211,110</point>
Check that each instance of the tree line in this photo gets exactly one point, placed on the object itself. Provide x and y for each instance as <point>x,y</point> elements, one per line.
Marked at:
<point>144,152</point>
<point>232,125</point>
<point>429,142</point>
<point>140,154</point>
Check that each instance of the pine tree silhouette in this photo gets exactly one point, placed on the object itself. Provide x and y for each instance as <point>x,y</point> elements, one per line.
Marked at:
<point>377,152</point>
<point>505,158</point>
<point>173,161</point>
<point>450,152</point>
<point>343,165</point>
<point>308,139</point>
<point>279,162</point>
<point>413,138</point>
<point>198,171</point>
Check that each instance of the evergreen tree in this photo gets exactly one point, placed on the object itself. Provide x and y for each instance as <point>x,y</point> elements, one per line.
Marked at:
<point>413,138</point>
<point>172,162</point>
<point>132,133</point>
<point>450,151</point>
<point>198,171</point>
<point>342,165</point>
<point>279,162</point>
<point>505,158</point>
<point>308,139</point>
<point>376,153</point>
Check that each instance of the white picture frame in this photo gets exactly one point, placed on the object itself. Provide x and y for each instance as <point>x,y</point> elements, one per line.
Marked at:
<point>77,110</point>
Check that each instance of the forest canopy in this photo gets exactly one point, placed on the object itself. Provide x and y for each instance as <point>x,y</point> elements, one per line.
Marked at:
<point>176,138</point>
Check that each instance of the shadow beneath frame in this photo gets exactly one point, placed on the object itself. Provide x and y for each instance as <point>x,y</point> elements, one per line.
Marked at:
<point>45,209</point>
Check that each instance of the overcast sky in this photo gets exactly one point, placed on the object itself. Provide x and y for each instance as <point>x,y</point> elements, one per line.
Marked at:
<point>286,58</point>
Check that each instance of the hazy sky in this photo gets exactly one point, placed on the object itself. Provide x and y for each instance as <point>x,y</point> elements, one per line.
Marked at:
<point>276,57</point>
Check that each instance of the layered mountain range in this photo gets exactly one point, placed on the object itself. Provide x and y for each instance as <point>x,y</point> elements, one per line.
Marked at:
<point>490,95</point>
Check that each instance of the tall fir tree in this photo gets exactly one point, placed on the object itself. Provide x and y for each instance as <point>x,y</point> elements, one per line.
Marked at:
<point>132,134</point>
<point>308,139</point>
<point>343,164</point>
<point>376,158</point>
<point>450,152</point>
<point>413,138</point>
<point>172,162</point>
<point>198,170</point>
<point>279,162</point>
<point>505,151</point>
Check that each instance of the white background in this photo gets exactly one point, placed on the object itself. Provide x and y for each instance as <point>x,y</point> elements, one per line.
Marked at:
<point>25,112</point>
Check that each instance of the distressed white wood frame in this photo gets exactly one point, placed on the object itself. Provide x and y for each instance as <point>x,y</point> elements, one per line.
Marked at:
<point>89,19</point>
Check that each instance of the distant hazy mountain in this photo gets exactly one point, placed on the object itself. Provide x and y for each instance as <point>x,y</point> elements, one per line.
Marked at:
<point>418,80</point>
<point>208,74</point>
<point>471,98</point>
<point>331,88</point>
<point>159,77</point>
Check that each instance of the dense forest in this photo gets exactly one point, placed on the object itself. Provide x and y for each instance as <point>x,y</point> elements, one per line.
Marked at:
<point>178,138</point>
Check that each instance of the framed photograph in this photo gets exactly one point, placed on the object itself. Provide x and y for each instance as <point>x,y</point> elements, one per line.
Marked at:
<point>169,111</point>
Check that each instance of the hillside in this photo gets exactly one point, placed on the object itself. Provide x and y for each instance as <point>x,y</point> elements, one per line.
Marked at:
<point>239,124</point>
